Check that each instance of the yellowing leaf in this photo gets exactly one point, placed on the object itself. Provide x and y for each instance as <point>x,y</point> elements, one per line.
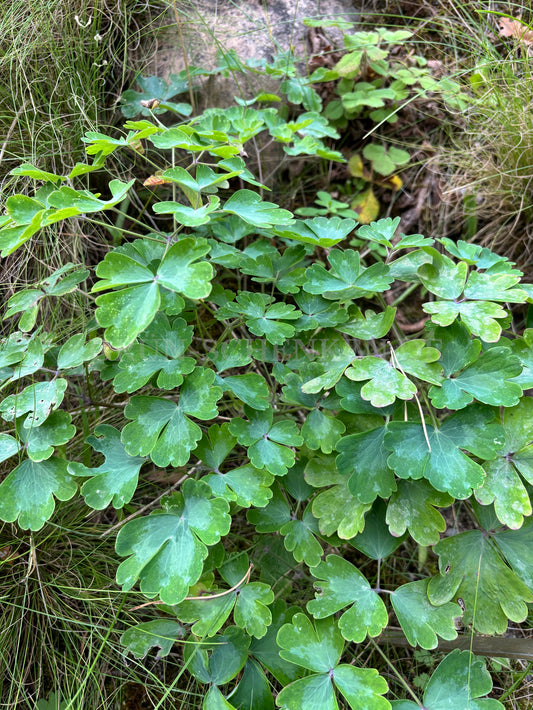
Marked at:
<point>156,179</point>
<point>355,166</point>
<point>366,206</point>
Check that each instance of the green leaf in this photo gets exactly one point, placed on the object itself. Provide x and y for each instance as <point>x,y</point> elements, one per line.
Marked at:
<point>299,538</point>
<point>319,231</point>
<point>161,633</point>
<point>36,173</point>
<point>364,456</point>
<point>166,549</point>
<point>386,383</point>
<point>321,431</point>
<point>442,276</point>
<point>411,508</point>
<point>251,388</point>
<point>160,352</point>
<point>369,326</point>
<point>472,569</point>
<point>341,584</point>
<point>319,648</point>
<point>266,650</point>
<point>262,317</point>
<point>39,441</point>
<point>162,429</point>
<point>188,216</point>
<point>116,478</point>
<point>480,317</point>
<point>27,493</point>
<point>347,278</point>
<point>334,357</point>
<point>336,508</point>
<point>458,681</point>
<point>228,654</point>
<point>127,312</point>
<point>253,690</point>
<point>38,399</point>
<point>503,483</point>
<point>375,541</point>
<point>420,620</point>
<point>75,352</point>
<point>471,375</point>
<point>247,205</point>
<point>152,87</point>
<point>381,232</point>
<point>440,457</point>
<point>268,444</point>
<point>249,602</point>
<point>418,360</point>
<point>516,545</point>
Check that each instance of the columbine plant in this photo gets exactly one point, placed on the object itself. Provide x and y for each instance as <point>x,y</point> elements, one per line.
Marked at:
<point>262,360</point>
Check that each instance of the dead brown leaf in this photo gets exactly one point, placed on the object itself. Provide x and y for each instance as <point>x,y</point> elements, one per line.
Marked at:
<point>515,28</point>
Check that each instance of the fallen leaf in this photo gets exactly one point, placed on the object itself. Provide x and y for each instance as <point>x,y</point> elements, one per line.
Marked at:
<point>515,28</point>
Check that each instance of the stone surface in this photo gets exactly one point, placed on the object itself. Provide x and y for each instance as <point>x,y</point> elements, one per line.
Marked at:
<point>255,29</point>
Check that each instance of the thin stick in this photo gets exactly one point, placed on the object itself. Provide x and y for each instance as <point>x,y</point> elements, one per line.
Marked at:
<point>204,597</point>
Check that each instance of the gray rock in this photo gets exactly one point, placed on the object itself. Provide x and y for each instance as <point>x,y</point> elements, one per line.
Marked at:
<point>255,29</point>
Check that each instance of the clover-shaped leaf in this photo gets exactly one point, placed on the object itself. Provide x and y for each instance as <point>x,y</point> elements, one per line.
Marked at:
<point>420,620</point>
<point>159,352</point>
<point>75,352</point>
<point>385,381</point>
<point>321,431</point>
<point>364,456</point>
<point>248,600</point>
<point>320,231</point>
<point>299,534</point>
<point>127,312</point>
<point>262,316</point>
<point>162,429</point>
<point>436,454</point>
<point>39,441</point>
<point>381,232</point>
<point>152,87</point>
<point>115,480</point>
<point>27,493</point>
<point>38,399</point>
<point>319,648</point>
<point>375,541</point>
<point>268,443</point>
<point>63,280</point>
<point>412,507</point>
<point>166,549</point>
<point>283,270</point>
<point>336,508</point>
<point>369,326</point>
<point>162,633</point>
<point>247,205</point>
<point>221,660</point>
<point>472,569</point>
<point>246,484</point>
<point>469,374</point>
<point>503,483</point>
<point>347,278</point>
<point>317,312</point>
<point>459,681</point>
<point>517,547</point>
<point>341,584</point>
<point>188,216</point>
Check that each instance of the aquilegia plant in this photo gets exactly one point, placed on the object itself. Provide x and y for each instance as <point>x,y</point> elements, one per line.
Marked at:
<point>260,356</point>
